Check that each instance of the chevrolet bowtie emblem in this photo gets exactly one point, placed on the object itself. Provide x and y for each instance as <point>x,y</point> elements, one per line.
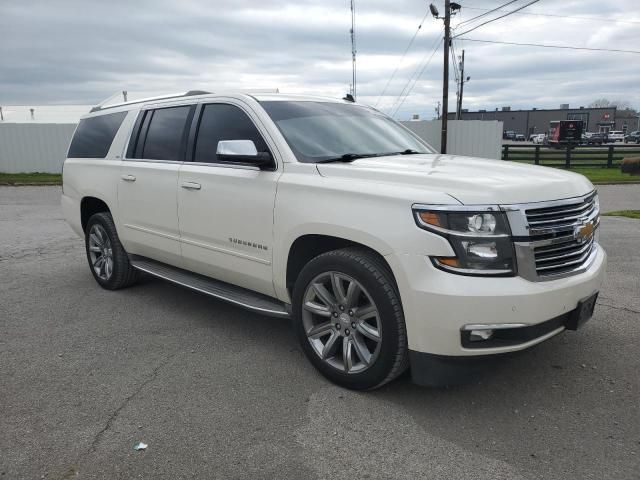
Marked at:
<point>583,232</point>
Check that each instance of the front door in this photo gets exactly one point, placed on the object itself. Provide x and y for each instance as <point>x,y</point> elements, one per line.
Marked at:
<point>147,190</point>
<point>225,211</point>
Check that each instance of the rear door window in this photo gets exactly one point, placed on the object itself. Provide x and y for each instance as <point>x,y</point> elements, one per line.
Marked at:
<point>221,121</point>
<point>94,135</point>
<point>163,134</point>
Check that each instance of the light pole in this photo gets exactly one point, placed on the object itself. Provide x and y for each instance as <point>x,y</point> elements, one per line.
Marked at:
<point>449,7</point>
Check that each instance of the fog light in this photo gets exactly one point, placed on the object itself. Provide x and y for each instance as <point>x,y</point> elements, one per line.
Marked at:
<point>480,335</point>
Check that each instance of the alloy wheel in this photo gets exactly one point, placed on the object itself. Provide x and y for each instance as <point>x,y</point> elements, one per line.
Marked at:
<point>342,322</point>
<point>100,252</point>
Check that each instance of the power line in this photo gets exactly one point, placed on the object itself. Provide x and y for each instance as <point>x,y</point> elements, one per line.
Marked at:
<point>437,47</point>
<point>401,59</point>
<point>497,18</point>
<point>497,9</point>
<point>566,47</point>
<point>410,79</point>
<point>573,17</point>
<point>413,79</point>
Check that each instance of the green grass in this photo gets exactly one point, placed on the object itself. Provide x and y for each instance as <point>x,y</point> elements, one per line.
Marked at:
<point>624,213</point>
<point>606,175</point>
<point>598,174</point>
<point>30,178</point>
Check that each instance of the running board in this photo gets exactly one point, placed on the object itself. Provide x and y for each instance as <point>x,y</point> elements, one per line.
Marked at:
<point>242,297</point>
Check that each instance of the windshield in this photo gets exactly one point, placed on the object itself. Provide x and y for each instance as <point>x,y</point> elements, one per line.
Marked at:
<point>320,131</point>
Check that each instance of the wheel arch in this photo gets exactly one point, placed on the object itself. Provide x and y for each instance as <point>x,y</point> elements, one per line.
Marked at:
<point>308,246</point>
<point>89,206</point>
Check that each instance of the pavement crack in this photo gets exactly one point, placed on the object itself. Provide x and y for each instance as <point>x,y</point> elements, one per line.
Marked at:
<point>625,309</point>
<point>112,418</point>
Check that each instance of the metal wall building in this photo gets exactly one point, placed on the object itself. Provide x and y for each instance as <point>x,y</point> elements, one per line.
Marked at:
<point>533,121</point>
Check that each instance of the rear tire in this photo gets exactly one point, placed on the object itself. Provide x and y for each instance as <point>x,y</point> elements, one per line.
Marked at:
<point>349,320</point>
<point>108,261</point>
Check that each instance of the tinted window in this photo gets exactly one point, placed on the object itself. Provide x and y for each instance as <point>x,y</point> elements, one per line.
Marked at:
<point>317,131</point>
<point>94,135</point>
<point>165,137</point>
<point>224,122</point>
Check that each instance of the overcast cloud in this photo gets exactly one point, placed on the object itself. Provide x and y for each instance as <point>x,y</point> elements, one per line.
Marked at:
<point>63,52</point>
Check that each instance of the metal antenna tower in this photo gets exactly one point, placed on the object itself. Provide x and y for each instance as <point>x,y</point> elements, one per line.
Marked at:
<point>353,48</point>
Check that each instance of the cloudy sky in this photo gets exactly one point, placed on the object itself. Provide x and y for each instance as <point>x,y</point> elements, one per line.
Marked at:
<point>63,51</point>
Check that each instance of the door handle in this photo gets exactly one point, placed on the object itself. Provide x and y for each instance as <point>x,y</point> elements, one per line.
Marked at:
<point>128,178</point>
<point>191,185</point>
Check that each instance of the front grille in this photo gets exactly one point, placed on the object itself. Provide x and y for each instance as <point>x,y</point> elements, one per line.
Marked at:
<point>564,256</point>
<point>561,217</point>
<point>559,246</point>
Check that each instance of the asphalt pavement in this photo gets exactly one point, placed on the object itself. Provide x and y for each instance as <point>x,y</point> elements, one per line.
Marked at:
<point>217,392</point>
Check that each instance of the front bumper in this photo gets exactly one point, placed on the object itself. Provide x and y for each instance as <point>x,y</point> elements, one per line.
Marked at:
<point>437,305</point>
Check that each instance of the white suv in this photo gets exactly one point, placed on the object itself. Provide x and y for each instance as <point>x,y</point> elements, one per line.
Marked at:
<point>615,136</point>
<point>384,253</point>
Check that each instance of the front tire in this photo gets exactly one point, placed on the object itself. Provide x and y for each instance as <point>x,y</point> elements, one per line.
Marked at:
<point>349,319</point>
<point>108,260</point>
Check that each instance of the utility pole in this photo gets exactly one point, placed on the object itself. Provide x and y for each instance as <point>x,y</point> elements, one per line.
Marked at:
<point>459,109</point>
<point>449,8</point>
<point>445,75</point>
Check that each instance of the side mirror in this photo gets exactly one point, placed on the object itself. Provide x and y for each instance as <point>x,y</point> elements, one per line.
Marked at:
<point>242,151</point>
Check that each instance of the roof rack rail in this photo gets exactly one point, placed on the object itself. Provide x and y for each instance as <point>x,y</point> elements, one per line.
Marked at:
<point>101,105</point>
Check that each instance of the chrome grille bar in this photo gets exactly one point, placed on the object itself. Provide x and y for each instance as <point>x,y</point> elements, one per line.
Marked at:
<point>550,237</point>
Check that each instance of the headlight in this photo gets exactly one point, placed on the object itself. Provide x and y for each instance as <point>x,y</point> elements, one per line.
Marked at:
<point>480,239</point>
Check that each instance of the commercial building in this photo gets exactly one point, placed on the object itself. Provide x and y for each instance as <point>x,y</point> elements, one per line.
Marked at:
<point>536,120</point>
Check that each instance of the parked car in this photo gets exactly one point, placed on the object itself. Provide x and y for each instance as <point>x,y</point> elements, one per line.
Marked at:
<point>520,137</point>
<point>539,138</point>
<point>596,139</point>
<point>385,254</point>
<point>633,137</point>
<point>615,136</point>
<point>509,135</point>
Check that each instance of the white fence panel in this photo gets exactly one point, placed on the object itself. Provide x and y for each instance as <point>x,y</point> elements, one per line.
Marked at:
<point>37,147</point>
<point>42,147</point>
<point>474,138</point>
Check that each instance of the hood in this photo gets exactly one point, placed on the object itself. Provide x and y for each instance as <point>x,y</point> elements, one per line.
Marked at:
<point>467,179</point>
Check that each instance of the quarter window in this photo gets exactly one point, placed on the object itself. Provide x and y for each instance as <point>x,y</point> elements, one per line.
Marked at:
<point>94,136</point>
<point>164,138</point>
<point>224,122</point>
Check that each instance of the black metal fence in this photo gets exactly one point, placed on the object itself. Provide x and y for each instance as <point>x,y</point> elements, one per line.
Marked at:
<point>570,156</point>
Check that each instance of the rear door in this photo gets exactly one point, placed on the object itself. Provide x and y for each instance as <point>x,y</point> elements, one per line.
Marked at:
<point>226,210</point>
<point>148,183</point>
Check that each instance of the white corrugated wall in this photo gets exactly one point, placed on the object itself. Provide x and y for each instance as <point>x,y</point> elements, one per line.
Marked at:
<point>474,138</point>
<point>38,147</point>
<point>42,147</point>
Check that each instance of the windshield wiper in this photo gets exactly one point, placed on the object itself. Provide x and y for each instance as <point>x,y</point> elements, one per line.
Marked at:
<point>408,151</point>
<point>347,157</point>
<point>350,157</point>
